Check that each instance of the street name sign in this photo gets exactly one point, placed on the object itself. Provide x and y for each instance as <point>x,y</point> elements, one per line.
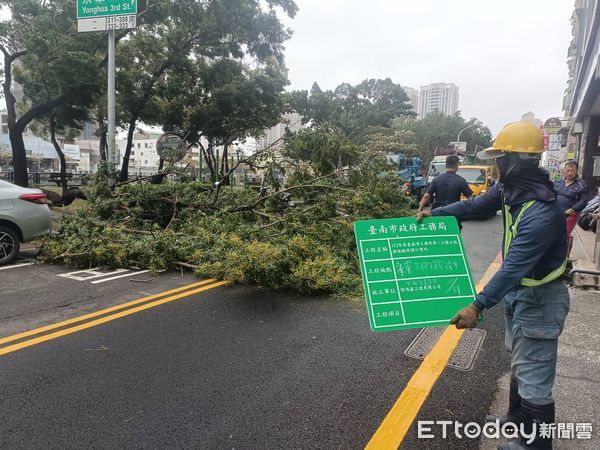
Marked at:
<point>415,275</point>
<point>102,8</point>
<point>103,15</point>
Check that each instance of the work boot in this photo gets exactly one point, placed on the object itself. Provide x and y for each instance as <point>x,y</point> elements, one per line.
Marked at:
<point>514,407</point>
<point>533,416</point>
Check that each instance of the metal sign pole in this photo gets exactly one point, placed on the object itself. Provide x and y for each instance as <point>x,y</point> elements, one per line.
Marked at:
<point>112,144</point>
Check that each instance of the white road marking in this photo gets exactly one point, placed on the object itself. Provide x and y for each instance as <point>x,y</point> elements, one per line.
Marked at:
<point>92,273</point>
<point>131,274</point>
<point>15,266</point>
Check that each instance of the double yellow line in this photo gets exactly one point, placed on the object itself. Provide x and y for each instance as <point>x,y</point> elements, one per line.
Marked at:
<point>47,333</point>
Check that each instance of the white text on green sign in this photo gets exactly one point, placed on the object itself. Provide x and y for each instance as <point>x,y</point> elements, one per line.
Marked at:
<point>414,274</point>
<point>102,8</point>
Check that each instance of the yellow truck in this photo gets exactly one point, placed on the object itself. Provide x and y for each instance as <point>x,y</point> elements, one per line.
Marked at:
<point>480,178</point>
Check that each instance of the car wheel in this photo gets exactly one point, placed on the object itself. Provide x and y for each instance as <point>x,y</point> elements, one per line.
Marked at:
<point>9,245</point>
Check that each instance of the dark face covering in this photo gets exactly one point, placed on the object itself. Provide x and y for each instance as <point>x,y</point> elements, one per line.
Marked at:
<point>523,180</point>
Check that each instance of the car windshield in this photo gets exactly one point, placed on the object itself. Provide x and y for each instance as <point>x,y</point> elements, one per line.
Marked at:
<point>437,168</point>
<point>472,175</point>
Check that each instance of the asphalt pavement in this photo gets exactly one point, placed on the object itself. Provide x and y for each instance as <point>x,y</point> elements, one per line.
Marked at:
<point>229,367</point>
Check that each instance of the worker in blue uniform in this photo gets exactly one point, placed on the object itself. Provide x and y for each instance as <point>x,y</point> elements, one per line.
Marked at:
<point>536,300</point>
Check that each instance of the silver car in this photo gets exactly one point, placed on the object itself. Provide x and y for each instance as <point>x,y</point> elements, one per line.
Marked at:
<point>24,215</point>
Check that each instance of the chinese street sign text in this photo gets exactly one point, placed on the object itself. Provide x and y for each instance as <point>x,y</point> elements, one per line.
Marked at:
<point>415,275</point>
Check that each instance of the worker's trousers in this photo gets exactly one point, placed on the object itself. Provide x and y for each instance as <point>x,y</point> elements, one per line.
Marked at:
<point>535,317</point>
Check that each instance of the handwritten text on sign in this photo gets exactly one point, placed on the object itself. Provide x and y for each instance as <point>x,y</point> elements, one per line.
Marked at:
<point>414,274</point>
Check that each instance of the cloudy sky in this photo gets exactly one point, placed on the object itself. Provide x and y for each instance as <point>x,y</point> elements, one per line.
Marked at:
<point>507,56</point>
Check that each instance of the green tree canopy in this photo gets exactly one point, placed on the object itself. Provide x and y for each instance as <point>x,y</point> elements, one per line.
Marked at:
<point>223,100</point>
<point>56,66</point>
<point>353,109</point>
<point>237,30</point>
<point>438,130</point>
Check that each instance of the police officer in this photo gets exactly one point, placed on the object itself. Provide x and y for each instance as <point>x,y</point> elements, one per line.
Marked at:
<point>447,187</point>
<point>536,301</point>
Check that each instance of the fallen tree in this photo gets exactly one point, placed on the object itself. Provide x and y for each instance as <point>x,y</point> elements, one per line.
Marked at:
<point>299,237</point>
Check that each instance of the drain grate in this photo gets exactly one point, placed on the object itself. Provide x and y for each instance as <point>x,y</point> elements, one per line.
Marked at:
<point>463,357</point>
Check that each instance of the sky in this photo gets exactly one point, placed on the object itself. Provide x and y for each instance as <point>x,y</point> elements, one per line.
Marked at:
<point>508,57</point>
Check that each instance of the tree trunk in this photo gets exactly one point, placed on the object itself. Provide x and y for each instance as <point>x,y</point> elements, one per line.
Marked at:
<point>19,159</point>
<point>209,157</point>
<point>15,134</point>
<point>16,127</point>
<point>161,163</point>
<point>101,133</point>
<point>224,170</point>
<point>125,168</point>
<point>103,146</point>
<point>61,156</point>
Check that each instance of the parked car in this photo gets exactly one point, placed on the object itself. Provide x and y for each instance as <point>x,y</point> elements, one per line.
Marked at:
<point>24,215</point>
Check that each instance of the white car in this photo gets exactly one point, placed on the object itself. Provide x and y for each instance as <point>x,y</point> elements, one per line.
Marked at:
<point>24,215</point>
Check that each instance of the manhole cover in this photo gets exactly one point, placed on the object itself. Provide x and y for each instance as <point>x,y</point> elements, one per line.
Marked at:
<point>463,356</point>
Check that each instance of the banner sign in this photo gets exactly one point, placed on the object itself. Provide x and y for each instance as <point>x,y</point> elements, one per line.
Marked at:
<point>72,151</point>
<point>415,275</point>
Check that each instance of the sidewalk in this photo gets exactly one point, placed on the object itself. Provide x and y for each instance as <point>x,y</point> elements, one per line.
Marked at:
<point>577,386</point>
<point>584,243</point>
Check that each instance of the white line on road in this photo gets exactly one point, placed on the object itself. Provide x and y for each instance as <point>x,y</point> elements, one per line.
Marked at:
<point>15,266</point>
<point>92,273</point>
<point>131,274</point>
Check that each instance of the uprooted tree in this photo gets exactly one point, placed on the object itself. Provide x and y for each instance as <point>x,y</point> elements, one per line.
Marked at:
<point>295,235</point>
<point>299,237</point>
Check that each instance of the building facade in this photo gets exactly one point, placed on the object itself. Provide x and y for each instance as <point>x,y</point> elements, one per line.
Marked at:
<point>582,97</point>
<point>438,97</point>
<point>274,135</point>
<point>581,101</point>
<point>413,96</point>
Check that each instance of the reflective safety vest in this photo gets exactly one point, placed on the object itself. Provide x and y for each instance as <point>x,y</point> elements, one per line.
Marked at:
<point>510,231</point>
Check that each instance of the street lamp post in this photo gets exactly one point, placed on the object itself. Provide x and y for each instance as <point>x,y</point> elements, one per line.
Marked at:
<point>465,128</point>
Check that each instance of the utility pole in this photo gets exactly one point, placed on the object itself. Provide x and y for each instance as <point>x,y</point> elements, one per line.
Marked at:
<point>112,141</point>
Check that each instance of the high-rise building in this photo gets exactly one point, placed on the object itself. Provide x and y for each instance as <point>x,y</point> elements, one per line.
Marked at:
<point>3,122</point>
<point>274,135</point>
<point>442,97</point>
<point>413,96</point>
<point>530,118</point>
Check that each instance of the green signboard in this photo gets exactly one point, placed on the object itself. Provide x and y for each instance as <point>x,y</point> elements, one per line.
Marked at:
<point>415,275</point>
<point>103,8</point>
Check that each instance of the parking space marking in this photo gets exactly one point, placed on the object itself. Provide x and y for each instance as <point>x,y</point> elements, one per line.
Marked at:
<point>92,274</point>
<point>16,266</point>
<point>103,280</point>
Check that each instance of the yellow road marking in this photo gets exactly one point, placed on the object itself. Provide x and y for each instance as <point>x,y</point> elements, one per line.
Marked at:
<point>396,424</point>
<point>118,315</point>
<point>53,326</point>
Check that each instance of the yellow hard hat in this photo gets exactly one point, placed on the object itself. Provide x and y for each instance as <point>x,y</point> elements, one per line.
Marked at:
<point>516,137</point>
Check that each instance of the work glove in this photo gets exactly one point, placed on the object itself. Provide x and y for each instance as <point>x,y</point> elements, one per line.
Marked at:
<point>466,318</point>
